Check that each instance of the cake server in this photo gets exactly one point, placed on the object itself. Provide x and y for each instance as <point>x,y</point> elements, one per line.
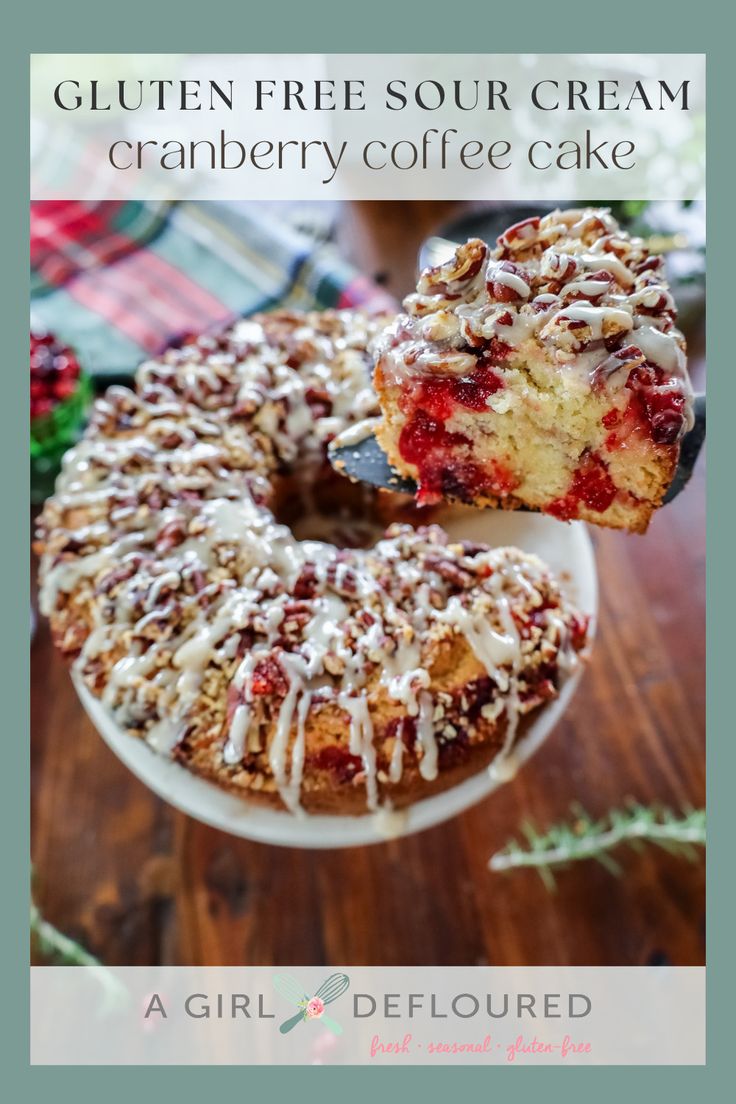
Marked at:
<point>364,461</point>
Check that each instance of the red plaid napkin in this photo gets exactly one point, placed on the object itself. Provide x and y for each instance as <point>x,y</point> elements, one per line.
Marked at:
<point>120,281</point>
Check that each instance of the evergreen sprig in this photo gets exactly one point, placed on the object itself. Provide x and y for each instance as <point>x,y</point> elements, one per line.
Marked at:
<point>587,838</point>
<point>60,950</point>
<point>56,946</point>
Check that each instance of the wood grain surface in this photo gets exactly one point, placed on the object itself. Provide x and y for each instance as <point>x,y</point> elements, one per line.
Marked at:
<point>139,883</point>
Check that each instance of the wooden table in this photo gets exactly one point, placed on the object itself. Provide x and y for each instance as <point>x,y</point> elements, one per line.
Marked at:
<point>138,883</point>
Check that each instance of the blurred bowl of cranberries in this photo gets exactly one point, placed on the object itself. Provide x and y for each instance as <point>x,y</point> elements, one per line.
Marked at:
<point>60,393</point>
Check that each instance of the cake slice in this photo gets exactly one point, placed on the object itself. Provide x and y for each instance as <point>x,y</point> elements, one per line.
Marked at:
<point>544,373</point>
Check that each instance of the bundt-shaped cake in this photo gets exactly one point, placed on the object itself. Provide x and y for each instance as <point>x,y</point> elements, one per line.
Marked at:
<point>293,672</point>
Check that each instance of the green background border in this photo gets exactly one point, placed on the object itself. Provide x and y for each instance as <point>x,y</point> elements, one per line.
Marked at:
<point>385,26</point>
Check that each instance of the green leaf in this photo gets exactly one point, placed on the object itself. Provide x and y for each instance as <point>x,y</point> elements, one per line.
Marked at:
<point>635,826</point>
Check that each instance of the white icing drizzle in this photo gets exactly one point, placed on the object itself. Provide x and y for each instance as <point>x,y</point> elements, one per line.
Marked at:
<point>569,267</point>
<point>494,650</point>
<point>499,275</point>
<point>291,792</point>
<point>500,654</point>
<point>164,735</point>
<point>279,743</point>
<point>170,579</point>
<point>596,262</point>
<point>396,766</point>
<point>594,317</point>
<point>235,747</point>
<point>390,823</point>
<point>405,687</point>
<point>504,767</point>
<point>361,741</point>
<point>652,296</point>
<point>426,737</point>
<point>354,434</point>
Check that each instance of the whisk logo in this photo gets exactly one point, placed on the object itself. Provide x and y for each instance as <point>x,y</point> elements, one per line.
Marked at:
<point>311,1007</point>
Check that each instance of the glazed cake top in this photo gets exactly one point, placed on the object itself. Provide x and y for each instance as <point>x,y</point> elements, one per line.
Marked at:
<point>570,289</point>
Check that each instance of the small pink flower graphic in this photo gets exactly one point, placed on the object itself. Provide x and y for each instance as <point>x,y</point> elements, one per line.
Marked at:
<point>315,1008</point>
<point>311,1008</point>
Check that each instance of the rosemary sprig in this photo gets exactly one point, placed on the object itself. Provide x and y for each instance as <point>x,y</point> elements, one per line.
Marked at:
<point>586,838</point>
<point>63,951</point>
<point>56,946</point>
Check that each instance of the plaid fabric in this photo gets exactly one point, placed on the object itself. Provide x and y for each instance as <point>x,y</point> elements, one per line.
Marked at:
<point>120,281</point>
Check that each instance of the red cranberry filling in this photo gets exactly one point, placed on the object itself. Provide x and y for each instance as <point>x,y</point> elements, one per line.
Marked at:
<point>579,628</point>
<point>425,442</point>
<point>424,435</point>
<point>404,729</point>
<point>622,424</point>
<point>541,683</point>
<point>665,416</point>
<point>661,405</point>
<point>268,678</point>
<point>591,486</point>
<point>338,762</point>
<point>439,396</point>
<point>459,478</point>
<point>475,391</point>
